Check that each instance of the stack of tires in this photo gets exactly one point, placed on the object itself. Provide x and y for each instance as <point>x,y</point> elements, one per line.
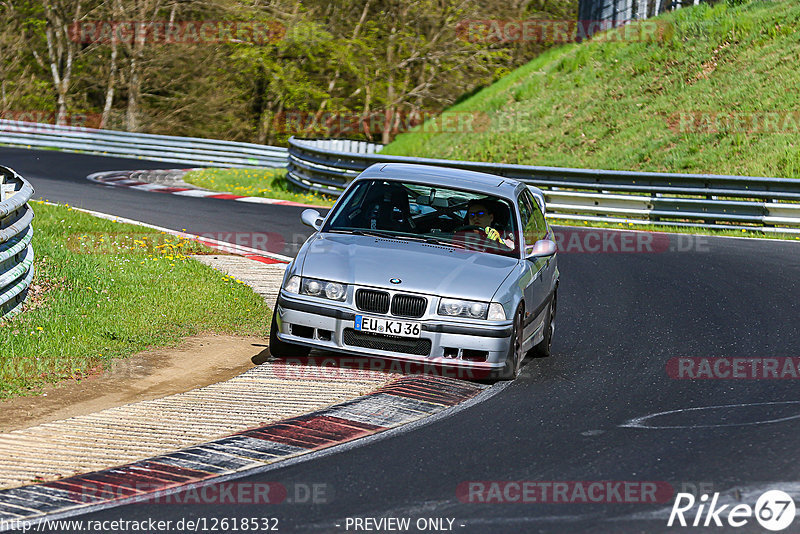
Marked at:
<point>16,234</point>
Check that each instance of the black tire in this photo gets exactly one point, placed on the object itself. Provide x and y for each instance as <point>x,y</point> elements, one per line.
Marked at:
<point>513,363</point>
<point>281,349</point>
<point>544,348</point>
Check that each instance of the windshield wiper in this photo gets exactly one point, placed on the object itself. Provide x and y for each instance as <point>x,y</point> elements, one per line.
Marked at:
<point>378,233</point>
<point>361,231</point>
<point>444,242</point>
<point>386,235</point>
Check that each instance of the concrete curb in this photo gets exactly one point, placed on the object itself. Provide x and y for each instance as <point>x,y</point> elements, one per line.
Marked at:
<point>403,401</point>
<point>141,182</point>
<point>125,433</point>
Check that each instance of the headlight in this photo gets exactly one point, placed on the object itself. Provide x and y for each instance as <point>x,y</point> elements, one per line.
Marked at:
<point>316,288</point>
<point>496,312</point>
<point>463,308</point>
<point>311,287</point>
<point>334,291</point>
<point>319,288</point>
<point>292,285</point>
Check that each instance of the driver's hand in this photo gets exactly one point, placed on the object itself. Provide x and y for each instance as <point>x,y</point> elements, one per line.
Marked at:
<point>492,234</point>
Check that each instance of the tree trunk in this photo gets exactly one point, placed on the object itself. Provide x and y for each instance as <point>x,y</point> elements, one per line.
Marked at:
<point>366,123</point>
<point>271,131</point>
<point>112,72</point>
<point>264,121</point>
<point>145,11</point>
<point>390,94</point>
<point>60,51</point>
<point>134,88</point>
<point>337,73</point>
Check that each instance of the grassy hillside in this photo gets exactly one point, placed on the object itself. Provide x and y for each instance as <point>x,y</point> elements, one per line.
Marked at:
<point>618,105</point>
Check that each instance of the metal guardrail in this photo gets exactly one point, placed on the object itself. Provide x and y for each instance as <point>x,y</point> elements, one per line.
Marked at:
<point>16,234</point>
<point>185,150</point>
<point>693,200</point>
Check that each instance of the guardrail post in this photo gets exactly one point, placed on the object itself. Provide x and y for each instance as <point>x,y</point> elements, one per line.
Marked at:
<point>2,187</point>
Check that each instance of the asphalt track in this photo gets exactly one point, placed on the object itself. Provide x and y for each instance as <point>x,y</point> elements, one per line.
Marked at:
<point>622,316</point>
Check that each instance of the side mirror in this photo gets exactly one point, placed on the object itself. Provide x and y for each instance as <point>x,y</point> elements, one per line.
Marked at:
<point>541,249</point>
<point>312,218</point>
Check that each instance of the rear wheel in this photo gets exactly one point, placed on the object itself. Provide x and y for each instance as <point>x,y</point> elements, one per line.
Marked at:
<point>281,349</point>
<point>543,349</point>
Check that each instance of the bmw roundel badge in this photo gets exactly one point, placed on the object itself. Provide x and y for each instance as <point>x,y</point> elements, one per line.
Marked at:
<point>395,280</point>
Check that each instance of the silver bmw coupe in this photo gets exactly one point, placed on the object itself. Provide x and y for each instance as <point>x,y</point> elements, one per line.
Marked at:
<point>426,264</point>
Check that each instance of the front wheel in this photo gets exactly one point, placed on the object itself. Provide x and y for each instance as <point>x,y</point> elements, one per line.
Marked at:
<point>281,349</point>
<point>513,363</point>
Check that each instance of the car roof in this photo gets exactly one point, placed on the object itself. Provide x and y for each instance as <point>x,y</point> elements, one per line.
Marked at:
<point>489,184</point>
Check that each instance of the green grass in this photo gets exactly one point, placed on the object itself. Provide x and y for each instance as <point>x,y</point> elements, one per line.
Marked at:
<point>107,290</point>
<point>615,105</point>
<point>267,183</point>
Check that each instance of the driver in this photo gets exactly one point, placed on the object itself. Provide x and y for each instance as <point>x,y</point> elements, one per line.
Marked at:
<point>481,214</point>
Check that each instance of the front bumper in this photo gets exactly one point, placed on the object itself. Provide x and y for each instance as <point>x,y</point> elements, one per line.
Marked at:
<point>330,327</point>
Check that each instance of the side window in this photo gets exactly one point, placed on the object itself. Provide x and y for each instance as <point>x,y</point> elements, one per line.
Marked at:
<point>533,222</point>
<point>347,209</point>
<point>527,213</point>
<point>538,217</point>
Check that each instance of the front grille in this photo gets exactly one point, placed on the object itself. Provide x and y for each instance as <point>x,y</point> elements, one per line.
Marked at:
<point>408,306</point>
<point>372,301</point>
<point>418,346</point>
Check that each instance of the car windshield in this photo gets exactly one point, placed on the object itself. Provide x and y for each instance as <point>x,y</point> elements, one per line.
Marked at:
<point>453,217</point>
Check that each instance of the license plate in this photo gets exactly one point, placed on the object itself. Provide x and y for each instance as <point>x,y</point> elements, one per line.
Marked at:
<point>389,327</point>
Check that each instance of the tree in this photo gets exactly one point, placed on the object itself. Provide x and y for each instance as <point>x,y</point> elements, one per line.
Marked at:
<point>17,79</point>
<point>393,59</point>
<point>60,16</point>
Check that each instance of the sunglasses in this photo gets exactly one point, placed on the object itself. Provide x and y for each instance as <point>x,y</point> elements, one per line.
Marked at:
<point>477,213</point>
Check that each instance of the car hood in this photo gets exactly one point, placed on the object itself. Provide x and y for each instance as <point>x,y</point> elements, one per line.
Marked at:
<point>421,267</point>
